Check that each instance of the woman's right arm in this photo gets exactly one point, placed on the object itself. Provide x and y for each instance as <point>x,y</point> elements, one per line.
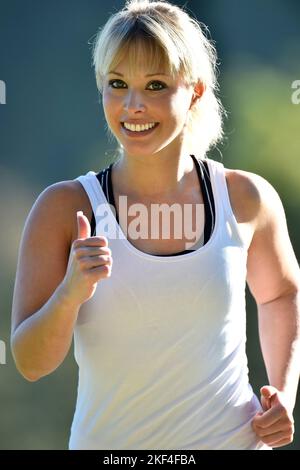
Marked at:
<point>54,277</point>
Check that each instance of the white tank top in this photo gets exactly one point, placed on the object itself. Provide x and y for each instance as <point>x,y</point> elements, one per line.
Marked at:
<point>161,344</point>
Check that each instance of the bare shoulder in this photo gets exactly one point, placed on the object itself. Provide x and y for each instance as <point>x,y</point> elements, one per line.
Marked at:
<point>272,267</point>
<point>251,196</point>
<point>48,233</point>
<point>73,198</point>
<point>66,198</point>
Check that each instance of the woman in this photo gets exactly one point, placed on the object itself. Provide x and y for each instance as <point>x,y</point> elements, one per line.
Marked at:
<point>160,335</point>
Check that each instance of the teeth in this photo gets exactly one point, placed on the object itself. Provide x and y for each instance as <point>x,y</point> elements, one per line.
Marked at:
<point>138,127</point>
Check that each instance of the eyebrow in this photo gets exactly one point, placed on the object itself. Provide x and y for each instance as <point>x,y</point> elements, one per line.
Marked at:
<point>148,75</point>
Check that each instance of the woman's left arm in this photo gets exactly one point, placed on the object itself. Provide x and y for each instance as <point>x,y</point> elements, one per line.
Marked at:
<point>273,277</point>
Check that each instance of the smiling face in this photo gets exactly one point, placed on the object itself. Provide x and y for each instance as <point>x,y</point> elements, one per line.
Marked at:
<point>147,98</point>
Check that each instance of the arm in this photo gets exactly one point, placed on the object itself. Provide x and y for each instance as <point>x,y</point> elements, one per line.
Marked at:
<point>279,339</point>
<point>42,315</point>
<point>274,280</point>
<point>55,276</point>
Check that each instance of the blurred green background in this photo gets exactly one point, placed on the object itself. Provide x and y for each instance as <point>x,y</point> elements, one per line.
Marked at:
<point>52,129</point>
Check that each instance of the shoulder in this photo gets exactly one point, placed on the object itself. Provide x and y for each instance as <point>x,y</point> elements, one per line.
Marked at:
<point>64,191</point>
<point>272,267</point>
<point>60,201</point>
<point>253,199</point>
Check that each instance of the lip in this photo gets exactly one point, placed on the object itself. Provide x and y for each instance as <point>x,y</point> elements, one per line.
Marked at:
<point>140,134</point>
<point>136,121</point>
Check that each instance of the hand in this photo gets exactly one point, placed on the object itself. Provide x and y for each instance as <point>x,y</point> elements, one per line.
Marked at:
<point>275,425</point>
<point>89,261</point>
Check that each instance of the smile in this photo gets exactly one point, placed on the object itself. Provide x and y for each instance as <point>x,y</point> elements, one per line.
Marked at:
<point>139,129</point>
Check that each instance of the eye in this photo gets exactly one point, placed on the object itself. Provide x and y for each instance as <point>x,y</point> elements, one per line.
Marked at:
<point>118,84</point>
<point>111,82</point>
<point>160,84</point>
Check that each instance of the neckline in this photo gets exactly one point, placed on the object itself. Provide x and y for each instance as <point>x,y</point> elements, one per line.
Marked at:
<point>169,258</point>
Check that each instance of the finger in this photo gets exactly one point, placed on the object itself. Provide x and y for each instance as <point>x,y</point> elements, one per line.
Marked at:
<point>265,403</point>
<point>103,269</point>
<point>268,395</point>
<point>283,442</point>
<point>88,262</point>
<point>268,391</point>
<point>275,438</point>
<point>268,418</point>
<point>96,241</point>
<point>277,427</point>
<point>93,250</point>
<point>83,226</point>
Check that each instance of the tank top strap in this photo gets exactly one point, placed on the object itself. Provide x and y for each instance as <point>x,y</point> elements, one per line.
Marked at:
<point>94,192</point>
<point>207,194</point>
<point>224,208</point>
<point>105,180</point>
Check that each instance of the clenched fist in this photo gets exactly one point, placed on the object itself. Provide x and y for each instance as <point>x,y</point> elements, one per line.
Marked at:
<point>89,261</point>
<point>274,425</point>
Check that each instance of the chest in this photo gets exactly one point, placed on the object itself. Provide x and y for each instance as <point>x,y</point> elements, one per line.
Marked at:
<point>160,226</point>
<point>156,229</point>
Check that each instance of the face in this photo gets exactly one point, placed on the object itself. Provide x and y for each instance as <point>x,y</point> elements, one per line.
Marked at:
<point>157,100</point>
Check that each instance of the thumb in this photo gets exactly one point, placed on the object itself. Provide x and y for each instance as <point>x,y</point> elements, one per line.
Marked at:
<point>268,391</point>
<point>268,394</point>
<point>83,226</point>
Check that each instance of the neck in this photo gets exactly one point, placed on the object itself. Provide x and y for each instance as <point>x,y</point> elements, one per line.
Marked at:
<point>155,176</point>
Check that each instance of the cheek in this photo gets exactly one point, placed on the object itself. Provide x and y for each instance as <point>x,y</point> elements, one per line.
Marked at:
<point>178,106</point>
<point>183,100</point>
<point>110,107</point>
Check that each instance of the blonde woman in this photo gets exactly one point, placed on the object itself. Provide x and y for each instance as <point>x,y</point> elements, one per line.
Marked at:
<point>158,309</point>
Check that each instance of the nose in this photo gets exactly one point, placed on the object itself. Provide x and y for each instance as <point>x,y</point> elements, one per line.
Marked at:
<point>133,102</point>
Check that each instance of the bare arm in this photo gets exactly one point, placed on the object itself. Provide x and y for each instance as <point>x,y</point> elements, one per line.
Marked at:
<point>274,280</point>
<point>41,342</point>
<point>279,331</point>
<point>54,277</point>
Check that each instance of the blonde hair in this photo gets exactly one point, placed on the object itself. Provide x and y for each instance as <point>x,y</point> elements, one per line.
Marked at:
<point>167,37</point>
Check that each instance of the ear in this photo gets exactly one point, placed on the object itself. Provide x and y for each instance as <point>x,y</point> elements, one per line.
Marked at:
<point>199,89</point>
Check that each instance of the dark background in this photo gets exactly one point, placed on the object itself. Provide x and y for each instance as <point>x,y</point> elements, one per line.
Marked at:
<point>52,129</point>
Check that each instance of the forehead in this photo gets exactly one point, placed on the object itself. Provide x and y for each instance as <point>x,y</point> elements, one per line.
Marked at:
<point>140,58</point>
<point>141,72</point>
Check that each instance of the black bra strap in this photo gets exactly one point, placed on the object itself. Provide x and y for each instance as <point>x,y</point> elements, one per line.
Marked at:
<point>205,182</point>
<point>204,188</point>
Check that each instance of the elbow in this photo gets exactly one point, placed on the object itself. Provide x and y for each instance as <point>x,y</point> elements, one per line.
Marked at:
<point>29,376</point>
<point>26,371</point>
